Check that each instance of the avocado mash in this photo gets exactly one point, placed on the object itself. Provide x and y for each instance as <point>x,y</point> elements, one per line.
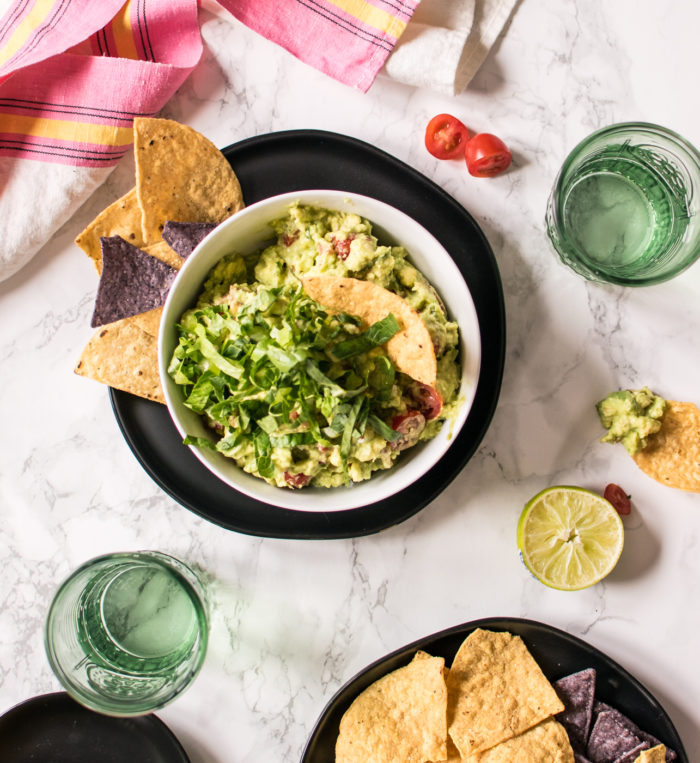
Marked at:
<point>300,395</point>
<point>630,416</point>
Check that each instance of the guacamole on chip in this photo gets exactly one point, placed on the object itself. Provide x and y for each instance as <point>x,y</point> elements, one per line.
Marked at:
<point>662,436</point>
<point>299,382</point>
<point>631,416</point>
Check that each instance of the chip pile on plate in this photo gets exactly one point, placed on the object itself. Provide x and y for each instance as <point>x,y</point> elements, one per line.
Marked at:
<point>600,733</point>
<point>184,188</point>
<point>493,705</point>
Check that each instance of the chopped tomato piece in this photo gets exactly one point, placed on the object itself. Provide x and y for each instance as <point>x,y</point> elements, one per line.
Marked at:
<point>342,246</point>
<point>486,155</point>
<point>446,137</point>
<point>289,239</point>
<point>296,480</point>
<point>618,498</point>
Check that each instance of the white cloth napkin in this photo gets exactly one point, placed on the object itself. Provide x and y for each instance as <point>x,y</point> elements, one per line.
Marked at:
<point>36,199</point>
<point>446,42</point>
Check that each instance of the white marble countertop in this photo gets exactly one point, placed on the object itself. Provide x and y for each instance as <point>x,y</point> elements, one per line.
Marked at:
<point>294,620</point>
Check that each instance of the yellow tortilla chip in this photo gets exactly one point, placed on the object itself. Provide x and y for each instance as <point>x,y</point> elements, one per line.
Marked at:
<point>121,218</point>
<point>496,691</point>
<point>453,755</point>
<point>123,356</point>
<point>411,349</point>
<point>672,456</point>
<point>654,755</point>
<point>181,176</point>
<point>149,321</point>
<point>399,717</point>
<point>547,742</point>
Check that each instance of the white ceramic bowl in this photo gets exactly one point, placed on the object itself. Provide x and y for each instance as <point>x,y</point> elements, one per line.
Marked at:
<point>249,230</point>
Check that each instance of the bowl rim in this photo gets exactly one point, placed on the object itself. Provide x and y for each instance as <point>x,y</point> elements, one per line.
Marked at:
<point>375,489</point>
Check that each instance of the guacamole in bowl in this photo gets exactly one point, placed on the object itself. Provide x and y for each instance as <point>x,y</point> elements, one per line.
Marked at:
<point>314,355</point>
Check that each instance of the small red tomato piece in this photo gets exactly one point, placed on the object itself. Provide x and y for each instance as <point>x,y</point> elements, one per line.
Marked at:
<point>618,498</point>
<point>486,155</point>
<point>342,246</point>
<point>296,480</point>
<point>446,137</point>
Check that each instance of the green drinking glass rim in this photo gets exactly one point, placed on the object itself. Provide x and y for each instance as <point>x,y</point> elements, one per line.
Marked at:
<point>649,127</point>
<point>163,559</point>
<point>688,154</point>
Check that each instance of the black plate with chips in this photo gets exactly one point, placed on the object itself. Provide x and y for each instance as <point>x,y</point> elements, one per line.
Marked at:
<point>276,163</point>
<point>52,728</point>
<point>558,654</point>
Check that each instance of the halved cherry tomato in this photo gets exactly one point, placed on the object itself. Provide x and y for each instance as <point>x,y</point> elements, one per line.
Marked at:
<point>427,400</point>
<point>619,499</point>
<point>409,425</point>
<point>486,155</point>
<point>446,137</point>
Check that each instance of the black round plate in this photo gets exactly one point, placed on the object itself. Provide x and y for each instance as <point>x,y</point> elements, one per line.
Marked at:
<point>558,653</point>
<point>306,159</point>
<point>54,729</point>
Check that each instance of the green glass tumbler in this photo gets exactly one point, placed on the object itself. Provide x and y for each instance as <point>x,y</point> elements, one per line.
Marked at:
<point>624,206</point>
<point>126,633</point>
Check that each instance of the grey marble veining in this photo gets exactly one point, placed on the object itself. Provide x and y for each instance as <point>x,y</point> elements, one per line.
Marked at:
<point>293,620</point>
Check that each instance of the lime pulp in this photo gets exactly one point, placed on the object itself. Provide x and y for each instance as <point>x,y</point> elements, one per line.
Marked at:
<point>569,538</point>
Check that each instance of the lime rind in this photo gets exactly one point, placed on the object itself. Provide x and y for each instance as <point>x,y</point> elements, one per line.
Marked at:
<point>569,538</point>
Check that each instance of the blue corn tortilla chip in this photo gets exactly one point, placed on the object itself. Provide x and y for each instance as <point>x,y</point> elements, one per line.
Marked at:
<point>131,282</point>
<point>652,741</point>
<point>633,754</point>
<point>578,758</point>
<point>577,692</point>
<point>184,237</point>
<point>610,740</point>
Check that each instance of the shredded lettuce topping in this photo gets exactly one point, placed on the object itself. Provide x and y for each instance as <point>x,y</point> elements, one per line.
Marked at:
<point>280,371</point>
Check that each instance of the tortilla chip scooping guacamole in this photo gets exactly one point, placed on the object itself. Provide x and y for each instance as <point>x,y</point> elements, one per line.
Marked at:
<point>319,359</point>
<point>662,436</point>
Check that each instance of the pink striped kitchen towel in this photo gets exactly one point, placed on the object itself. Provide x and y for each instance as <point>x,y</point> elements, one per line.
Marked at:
<point>347,39</point>
<point>75,73</point>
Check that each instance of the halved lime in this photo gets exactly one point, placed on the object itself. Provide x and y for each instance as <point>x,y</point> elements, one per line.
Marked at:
<point>569,538</point>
